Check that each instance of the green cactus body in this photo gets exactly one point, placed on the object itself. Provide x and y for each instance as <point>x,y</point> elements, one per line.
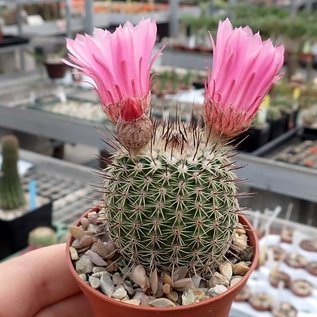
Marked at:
<point>175,203</point>
<point>11,190</point>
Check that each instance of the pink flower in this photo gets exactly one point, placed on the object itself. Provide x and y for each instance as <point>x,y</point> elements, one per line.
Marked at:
<point>244,69</point>
<point>119,64</point>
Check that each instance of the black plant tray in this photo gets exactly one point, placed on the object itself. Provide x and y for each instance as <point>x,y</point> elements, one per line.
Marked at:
<point>310,133</point>
<point>293,147</point>
<point>14,233</point>
<point>278,143</point>
<point>9,40</point>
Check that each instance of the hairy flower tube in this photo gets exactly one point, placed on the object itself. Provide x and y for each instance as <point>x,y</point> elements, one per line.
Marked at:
<point>243,71</point>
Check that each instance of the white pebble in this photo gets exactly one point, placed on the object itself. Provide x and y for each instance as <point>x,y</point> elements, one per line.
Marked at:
<point>217,290</point>
<point>73,253</point>
<point>94,282</point>
<point>84,265</point>
<point>135,302</point>
<point>189,298</point>
<point>225,269</point>
<point>119,293</point>
<point>106,284</point>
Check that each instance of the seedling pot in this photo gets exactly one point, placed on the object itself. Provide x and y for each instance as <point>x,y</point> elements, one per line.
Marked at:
<point>278,127</point>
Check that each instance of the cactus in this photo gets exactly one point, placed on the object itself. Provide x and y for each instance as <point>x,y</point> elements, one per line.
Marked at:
<point>42,237</point>
<point>175,204</point>
<point>274,113</point>
<point>11,190</point>
<point>170,195</point>
<point>187,79</point>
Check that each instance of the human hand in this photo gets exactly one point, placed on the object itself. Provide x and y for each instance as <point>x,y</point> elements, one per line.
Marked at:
<point>39,284</point>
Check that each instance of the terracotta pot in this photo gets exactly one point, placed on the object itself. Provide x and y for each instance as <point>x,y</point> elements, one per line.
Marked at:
<point>103,306</point>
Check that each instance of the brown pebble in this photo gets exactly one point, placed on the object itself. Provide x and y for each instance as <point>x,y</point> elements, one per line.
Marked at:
<point>96,258</point>
<point>85,241</point>
<point>76,244</point>
<point>92,228</point>
<point>139,277</point>
<point>154,281</point>
<point>111,249</point>
<point>85,222</point>
<point>166,288</point>
<point>246,254</point>
<point>225,269</point>
<point>92,217</point>
<point>173,296</point>
<point>240,268</point>
<point>167,278</point>
<point>239,242</point>
<point>235,280</point>
<point>135,302</point>
<point>196,281</point>
<point>73,253</point>
<point>145,301</point>
<point>76,232</point>
<point>180,273</point>
<point>159,292</point>
<point>217,279</point>
<point>162,302</point>
<point>83,250</point>
<point>100,248</point>
<point>240,229</point>
<point>112,266</point>
<point>183,284</point>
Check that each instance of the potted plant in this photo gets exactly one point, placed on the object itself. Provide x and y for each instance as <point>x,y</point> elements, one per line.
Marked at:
<point>187,81</point>
<point>169,237</point>
<point>309,122</point>
<point>54,66</point>
<point>277,121</point>
<point>52,61</point>
<point>287,95</point>
<point>255,137</point>
<point>17,215</point>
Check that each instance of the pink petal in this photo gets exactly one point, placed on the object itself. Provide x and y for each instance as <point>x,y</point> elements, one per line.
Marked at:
<point>119,64</point>
<point>244,69</point>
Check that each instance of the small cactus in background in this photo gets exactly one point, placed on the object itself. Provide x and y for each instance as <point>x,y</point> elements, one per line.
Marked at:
<point>42,237</point>
<point>12,195</point>
<point>170,195</point>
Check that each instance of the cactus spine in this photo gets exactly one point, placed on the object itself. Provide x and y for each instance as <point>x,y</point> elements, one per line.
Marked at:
<point>11,190</point>
<point>175,202</point>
